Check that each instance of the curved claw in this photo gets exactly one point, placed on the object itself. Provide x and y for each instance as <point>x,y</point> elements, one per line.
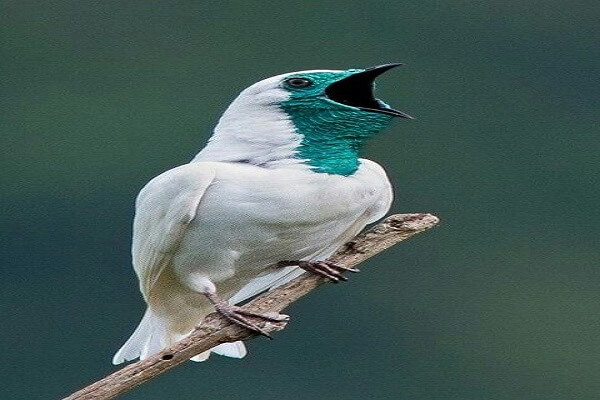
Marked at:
<point>238,315</point>
<point>326,269</point>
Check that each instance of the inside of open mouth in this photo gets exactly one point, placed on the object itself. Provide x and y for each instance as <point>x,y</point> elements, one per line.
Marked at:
<point>355,90</point>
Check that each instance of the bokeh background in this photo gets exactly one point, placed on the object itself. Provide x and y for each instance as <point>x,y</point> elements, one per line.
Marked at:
<point>500,302</point>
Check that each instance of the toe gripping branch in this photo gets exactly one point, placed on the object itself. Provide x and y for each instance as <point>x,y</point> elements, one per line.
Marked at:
<point>248,319</point>
<point>242,317</point>
<point>326,269</point>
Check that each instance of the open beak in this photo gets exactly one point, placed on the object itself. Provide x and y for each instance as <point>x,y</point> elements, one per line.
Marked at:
<point>356,90</point>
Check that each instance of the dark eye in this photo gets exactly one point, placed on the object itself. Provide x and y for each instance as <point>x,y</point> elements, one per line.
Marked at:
<point>298,82</point>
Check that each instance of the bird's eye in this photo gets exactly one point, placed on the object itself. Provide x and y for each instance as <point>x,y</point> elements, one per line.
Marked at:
<point>298,82</point>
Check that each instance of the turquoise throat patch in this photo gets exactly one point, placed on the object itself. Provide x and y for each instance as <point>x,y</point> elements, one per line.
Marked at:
<point>332,134</point>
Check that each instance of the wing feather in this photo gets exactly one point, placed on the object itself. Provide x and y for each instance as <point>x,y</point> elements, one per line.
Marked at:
<point>164,209</point>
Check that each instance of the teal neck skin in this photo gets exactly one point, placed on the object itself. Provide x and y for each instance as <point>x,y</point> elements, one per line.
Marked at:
<point>332,133</point>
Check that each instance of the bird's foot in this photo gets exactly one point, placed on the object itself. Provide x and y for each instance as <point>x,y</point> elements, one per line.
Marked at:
<point>244,318</point>
<point>326,269</point>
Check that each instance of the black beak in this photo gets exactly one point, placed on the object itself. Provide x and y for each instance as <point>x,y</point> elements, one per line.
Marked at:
<point>357,91</point>
<point>380,69</point>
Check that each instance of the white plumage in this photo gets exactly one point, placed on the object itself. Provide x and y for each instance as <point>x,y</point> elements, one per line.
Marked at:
<point>220,223</point>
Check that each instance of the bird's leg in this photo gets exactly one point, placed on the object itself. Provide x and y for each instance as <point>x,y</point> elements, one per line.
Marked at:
<point>326,269</point>
<point>239,316</point>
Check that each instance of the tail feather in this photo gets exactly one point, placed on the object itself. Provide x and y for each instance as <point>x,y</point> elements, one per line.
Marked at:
<point>147,339</point>
<point>233,350</point>
<point>151,336</point>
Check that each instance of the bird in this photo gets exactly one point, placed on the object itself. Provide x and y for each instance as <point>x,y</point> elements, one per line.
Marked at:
<point>277,189</point>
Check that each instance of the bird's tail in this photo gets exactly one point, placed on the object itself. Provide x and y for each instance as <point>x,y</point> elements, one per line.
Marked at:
<point>152,335</point>
<point>148,338</point>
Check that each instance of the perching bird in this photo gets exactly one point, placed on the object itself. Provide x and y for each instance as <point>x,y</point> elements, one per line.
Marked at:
<point>278,188</point>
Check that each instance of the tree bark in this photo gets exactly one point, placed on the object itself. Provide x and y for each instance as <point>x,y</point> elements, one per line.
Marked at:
<point>215,329</point>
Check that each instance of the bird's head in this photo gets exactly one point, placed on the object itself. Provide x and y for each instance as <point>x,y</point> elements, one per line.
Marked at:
<point>314,119</point>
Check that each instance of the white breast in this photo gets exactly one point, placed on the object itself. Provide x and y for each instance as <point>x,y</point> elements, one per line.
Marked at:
<point>252,217</point>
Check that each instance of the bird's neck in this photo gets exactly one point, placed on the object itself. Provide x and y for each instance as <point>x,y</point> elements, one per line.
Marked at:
<point>331,155</point>
<point>262,136</point>
<point>290,135</point>
<point>332,139</point>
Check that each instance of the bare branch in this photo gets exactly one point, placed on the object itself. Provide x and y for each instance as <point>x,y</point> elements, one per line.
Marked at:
<point>215,329</point>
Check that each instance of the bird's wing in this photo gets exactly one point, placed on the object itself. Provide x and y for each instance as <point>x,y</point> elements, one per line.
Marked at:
<point>164,209</point>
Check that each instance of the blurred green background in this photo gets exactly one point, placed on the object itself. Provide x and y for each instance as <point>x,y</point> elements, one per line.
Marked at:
<point>500,302</point>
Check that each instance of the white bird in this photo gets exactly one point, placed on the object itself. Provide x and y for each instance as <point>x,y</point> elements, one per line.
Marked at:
<point>279,180</point>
